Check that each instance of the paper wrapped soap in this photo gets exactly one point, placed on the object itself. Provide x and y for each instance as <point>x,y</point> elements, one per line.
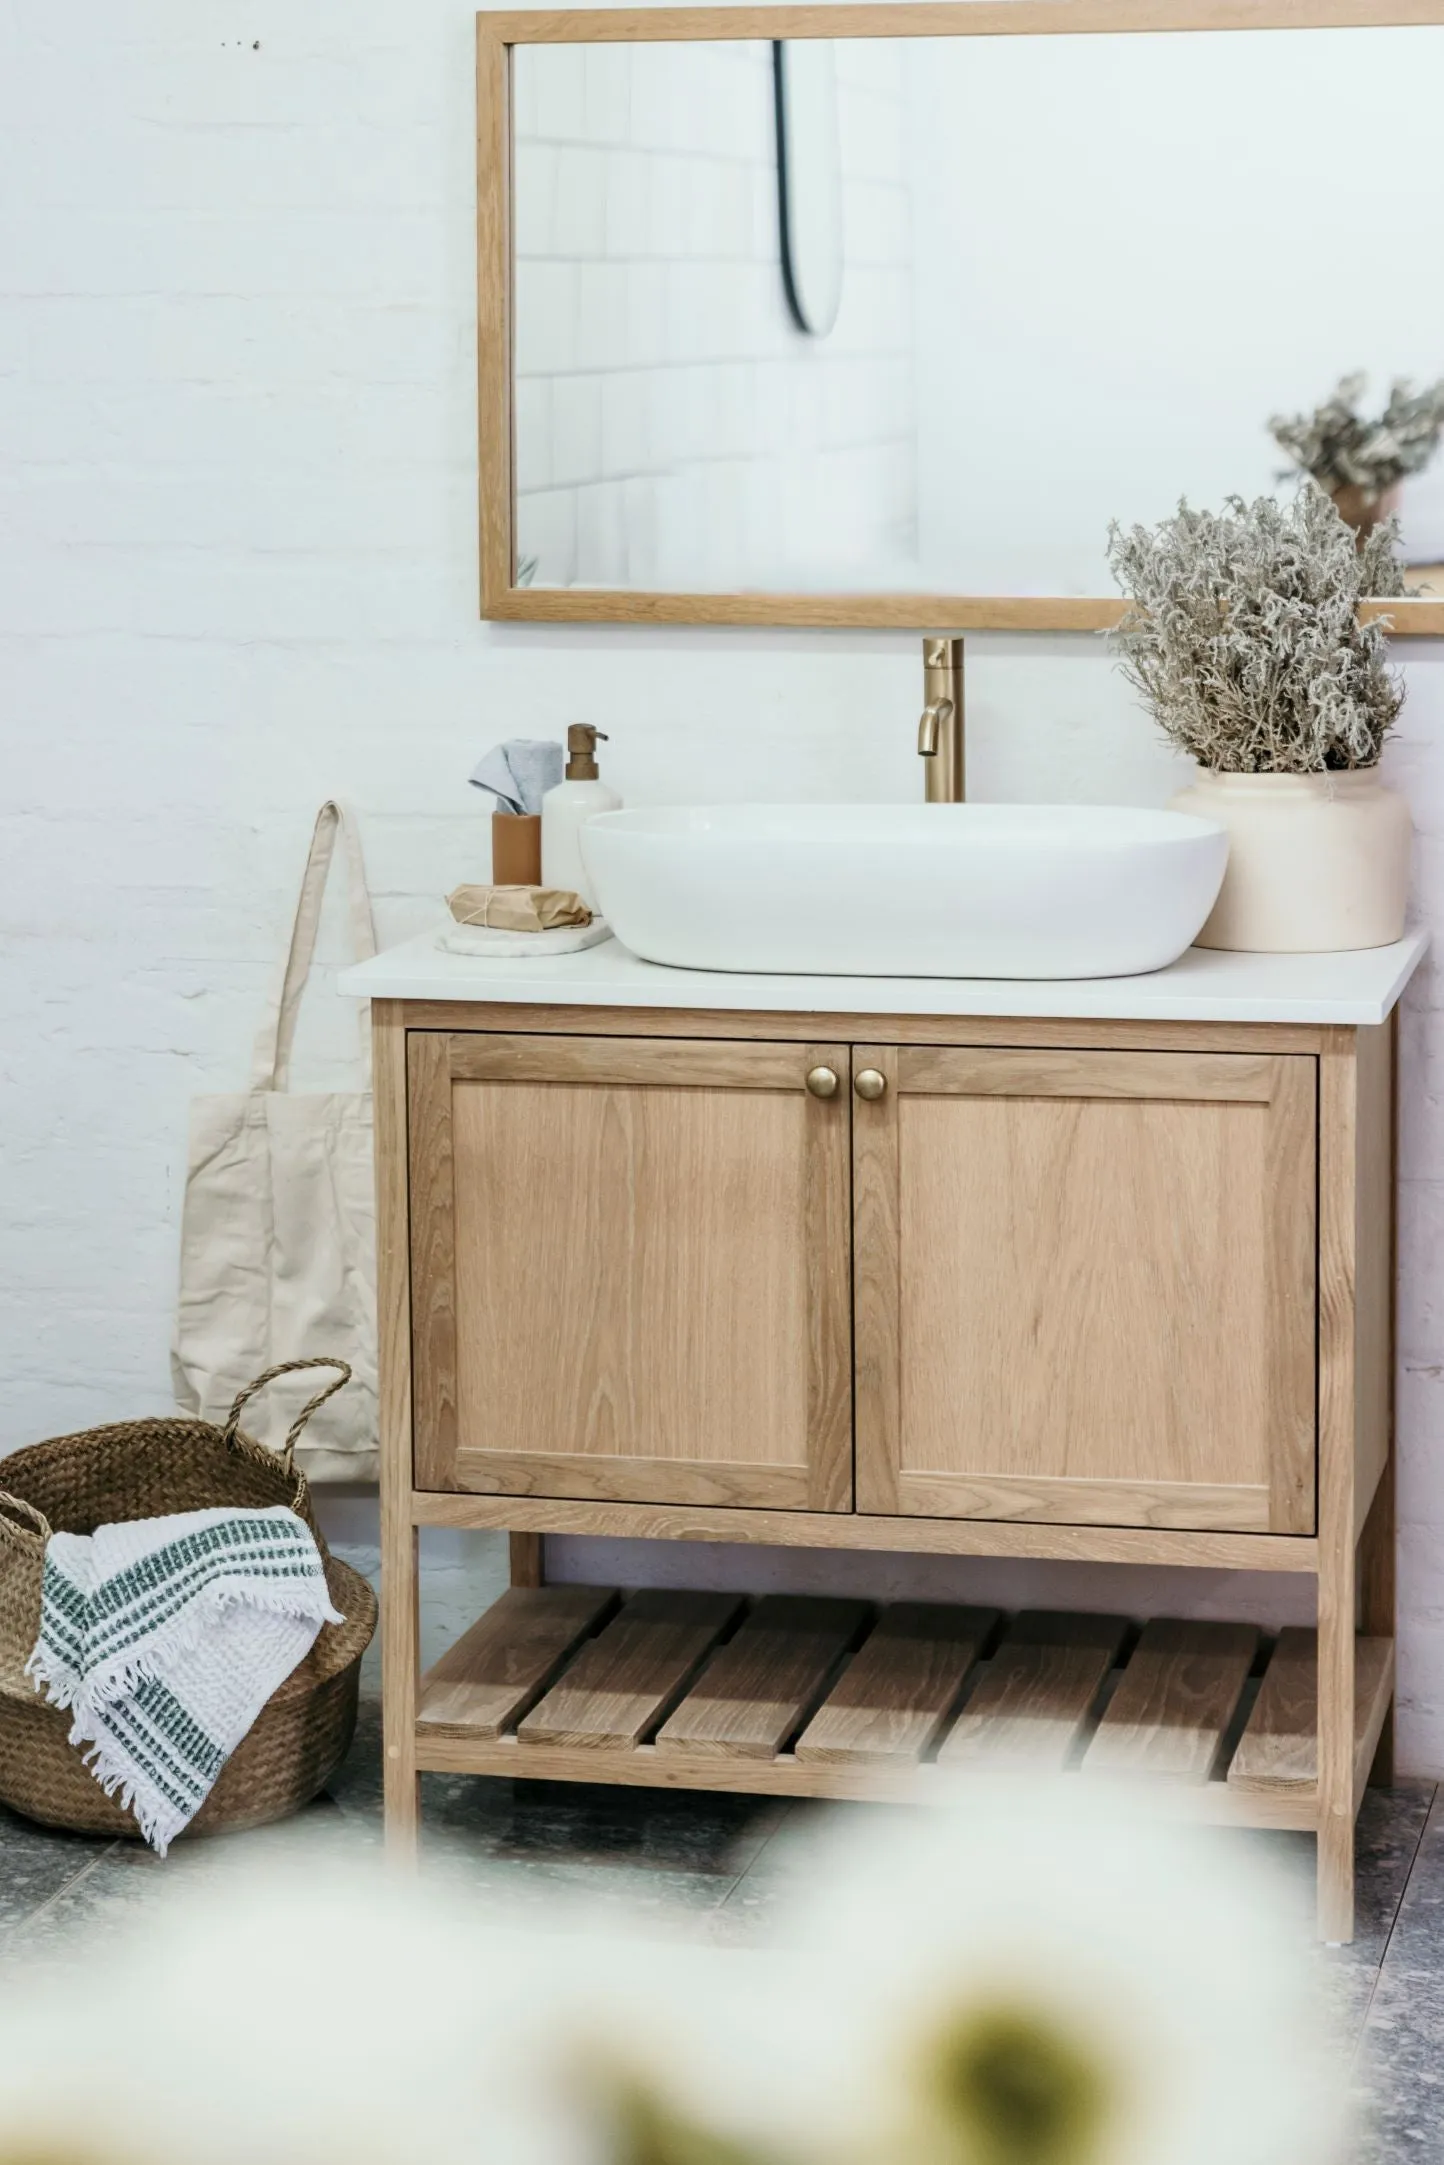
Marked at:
<point>518,909</point>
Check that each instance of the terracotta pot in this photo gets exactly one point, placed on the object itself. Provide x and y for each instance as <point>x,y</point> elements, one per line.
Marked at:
<point>1363,508</point>
<point>1317,862</point>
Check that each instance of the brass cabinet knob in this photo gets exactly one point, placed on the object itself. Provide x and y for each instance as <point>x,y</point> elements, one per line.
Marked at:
<point>869,1084</point>
<point>822,1082</point>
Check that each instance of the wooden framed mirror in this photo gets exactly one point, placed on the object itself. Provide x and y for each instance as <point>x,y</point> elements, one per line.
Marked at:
<point>1075,260</point>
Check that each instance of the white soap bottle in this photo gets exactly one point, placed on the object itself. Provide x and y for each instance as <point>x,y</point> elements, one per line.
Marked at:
<point>578,797</point>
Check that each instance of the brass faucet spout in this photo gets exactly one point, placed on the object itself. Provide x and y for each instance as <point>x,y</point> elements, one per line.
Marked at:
<point>940,730</point>
<point>934,719</point>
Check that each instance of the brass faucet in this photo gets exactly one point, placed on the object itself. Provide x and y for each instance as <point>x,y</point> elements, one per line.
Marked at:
<point>940,731</point>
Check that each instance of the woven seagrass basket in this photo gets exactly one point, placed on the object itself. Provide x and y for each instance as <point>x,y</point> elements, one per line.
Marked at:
<point>145,1469</point>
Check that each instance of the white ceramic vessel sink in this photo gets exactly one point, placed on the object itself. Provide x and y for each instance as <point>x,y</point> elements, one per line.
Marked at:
<point>948,890</point>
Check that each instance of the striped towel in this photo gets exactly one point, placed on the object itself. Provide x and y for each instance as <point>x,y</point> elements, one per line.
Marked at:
<point>166,1637</point>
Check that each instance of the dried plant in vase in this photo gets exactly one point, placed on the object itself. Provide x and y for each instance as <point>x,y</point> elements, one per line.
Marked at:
<point>1244,641</point>
<point>1358,460</point>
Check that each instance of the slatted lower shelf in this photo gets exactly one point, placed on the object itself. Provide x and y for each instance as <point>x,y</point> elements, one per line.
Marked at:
<point>791,1696</point>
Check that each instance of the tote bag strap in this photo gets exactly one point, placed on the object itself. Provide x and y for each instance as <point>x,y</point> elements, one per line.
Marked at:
<point>271,1065</point>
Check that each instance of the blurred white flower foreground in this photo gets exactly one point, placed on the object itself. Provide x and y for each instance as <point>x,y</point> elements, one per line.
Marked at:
<point>1031,1978</point>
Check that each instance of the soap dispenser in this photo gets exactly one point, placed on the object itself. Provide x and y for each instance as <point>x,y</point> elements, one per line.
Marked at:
<point>578,797</point>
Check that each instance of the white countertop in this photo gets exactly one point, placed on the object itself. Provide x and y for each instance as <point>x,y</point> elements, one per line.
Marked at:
<point>1204,985</point>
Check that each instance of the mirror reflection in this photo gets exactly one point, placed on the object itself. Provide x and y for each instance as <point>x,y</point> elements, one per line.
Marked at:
<point>1056,280</point>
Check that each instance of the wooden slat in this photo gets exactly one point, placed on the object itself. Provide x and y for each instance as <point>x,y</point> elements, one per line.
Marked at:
<point>500,1668</point>
<point>1279,1747</point>
<point>1031,1707</point>
<point>756,1691</point>
<point>895,1695</point>
<point>1171,1711</point>
<point>627,1680</point>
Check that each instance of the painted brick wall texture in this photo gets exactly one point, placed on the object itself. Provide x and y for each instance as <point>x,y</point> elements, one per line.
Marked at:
<point>238,574</point>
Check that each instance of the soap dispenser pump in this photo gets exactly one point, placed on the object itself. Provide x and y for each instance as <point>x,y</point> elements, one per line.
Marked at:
<point>578,797</point>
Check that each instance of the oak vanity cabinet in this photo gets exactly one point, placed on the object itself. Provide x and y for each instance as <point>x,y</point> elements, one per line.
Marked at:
<point>1113,1290</point>
<point>630,1270</point>
<point>1066,1286</point>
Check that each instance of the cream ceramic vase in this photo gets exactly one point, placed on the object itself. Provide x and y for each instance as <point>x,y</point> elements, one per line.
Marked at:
<point>1316,862</point>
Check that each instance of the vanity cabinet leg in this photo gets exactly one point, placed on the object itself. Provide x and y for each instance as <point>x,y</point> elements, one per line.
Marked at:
<point>1336,1745</point>
<point>400,1661</point>
<point>1378,1600</point>
<point>527,1564</point>
<point>400,1631</point>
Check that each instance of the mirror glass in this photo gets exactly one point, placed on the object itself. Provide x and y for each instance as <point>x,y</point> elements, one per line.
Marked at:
<point>1047,282</point>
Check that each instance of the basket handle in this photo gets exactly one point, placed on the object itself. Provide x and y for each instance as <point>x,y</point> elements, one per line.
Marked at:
<point>22,1537</point>
<point>286,1368</point>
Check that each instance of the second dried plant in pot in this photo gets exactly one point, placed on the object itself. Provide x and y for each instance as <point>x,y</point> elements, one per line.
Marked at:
<point>1245,644</point>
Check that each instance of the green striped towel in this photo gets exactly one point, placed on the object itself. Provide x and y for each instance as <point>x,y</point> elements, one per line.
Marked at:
<point>166,1637</point>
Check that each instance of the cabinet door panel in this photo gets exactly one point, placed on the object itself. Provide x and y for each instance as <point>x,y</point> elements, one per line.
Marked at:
<point>630,1270</point>
<point>1085,1288</point>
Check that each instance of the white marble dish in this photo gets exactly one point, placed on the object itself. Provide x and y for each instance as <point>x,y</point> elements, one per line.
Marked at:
<point>491,943</point>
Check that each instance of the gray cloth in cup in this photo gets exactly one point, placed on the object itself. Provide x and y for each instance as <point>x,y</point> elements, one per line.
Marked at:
<point>520,772</point>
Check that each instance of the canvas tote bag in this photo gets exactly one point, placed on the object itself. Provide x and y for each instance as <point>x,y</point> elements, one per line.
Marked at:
<point>278,1233</point>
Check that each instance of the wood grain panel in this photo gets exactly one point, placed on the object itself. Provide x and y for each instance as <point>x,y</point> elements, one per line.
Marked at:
<point>527,1560</point>
<point>938,18</point>
<point>1229,1078</point>
<point>882,611</point>
<point>876,1289</point>
<point>769,1025</point>
<point>859,1530</point>
<point>1111,1292</point>
<point>1237,1507</point>
<point>617,1476</point>
<point>1171,1712</point>
<point>1376,1186</point>
<point>499,1669</point>
<point>895,1696</point>
<point>1280,1746</point>
<point>651,1272</point>
<point>626,1681</point>
<point>1206,1803</point>
<point>400,1634</point>
<point>757,1690</point>
<point>495,445</point>
<point>433,1261</point>
<point>1337,1698</point>
<point>1289,1354</point>
<point>707,1064</point>
<point>1376,1553</point>
<point>1034,1703</point>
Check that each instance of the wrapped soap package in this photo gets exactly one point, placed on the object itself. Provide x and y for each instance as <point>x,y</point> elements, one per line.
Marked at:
<point>518,909</point>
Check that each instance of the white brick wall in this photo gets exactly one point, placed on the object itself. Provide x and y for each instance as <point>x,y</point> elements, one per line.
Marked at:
<point>238,573</point>
<point>673,427</point>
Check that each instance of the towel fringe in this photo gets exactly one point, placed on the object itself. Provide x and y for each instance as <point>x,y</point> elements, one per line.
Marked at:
<point>156,1720</point>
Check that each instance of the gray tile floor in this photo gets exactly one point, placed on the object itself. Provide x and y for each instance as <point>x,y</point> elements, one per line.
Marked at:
<point>724,1863</point>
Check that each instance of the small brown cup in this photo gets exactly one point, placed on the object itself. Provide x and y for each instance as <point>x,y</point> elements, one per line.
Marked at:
<point>516,849</point>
